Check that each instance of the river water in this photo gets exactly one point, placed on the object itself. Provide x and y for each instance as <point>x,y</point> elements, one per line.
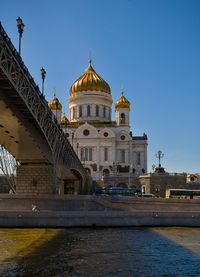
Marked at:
<point>109,252</point>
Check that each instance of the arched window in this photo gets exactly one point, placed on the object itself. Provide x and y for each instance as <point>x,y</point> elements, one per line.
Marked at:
<point>122,118</point>
<point>105,154</point>
<point>123,156</point>
<point>104,111</point>
<point>88,110</point>
<point>97,110</point>
<point>109,114</point>
<point>86,154</point>
<point>80,111</point>
<point>73,112</point>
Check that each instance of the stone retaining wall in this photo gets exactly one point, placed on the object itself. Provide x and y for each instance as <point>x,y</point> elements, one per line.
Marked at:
<point>98,219</point>
<point>85,211</point>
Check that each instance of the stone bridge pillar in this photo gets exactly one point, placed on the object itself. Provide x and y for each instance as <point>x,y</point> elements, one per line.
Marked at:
<point>36,179</point>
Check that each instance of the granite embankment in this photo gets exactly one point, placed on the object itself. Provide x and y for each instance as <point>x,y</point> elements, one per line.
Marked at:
<point>86,211</point>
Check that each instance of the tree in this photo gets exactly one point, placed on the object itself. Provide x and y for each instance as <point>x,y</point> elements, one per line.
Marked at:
<point>8,166</point>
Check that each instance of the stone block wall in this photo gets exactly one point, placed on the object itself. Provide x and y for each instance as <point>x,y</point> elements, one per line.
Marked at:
<point>158,183</point>
<point>120,180</point>
<point>36,179</point>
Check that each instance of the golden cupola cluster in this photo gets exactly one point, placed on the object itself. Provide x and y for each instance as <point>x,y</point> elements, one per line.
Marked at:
<point>90,81</point>
<point>122,102</point>
<point>54,104</point>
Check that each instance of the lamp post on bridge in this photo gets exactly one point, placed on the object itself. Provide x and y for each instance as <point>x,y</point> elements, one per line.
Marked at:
<point>20,26</point>
<point>43,75</point>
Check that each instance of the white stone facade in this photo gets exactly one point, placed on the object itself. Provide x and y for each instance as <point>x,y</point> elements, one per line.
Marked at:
<point>105,146</point>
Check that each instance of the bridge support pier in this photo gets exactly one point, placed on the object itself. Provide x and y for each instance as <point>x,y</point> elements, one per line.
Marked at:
<point>36,179</point>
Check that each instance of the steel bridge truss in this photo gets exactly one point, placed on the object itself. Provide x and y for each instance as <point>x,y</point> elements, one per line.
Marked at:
<point>16,72</point>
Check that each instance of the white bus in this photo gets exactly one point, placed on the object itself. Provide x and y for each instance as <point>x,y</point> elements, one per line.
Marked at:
<point>183,193</point>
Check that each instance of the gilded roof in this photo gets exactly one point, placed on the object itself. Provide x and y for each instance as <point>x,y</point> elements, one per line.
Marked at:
<point>54,104</point>
<point>122,102</point>
<point>90,80</point>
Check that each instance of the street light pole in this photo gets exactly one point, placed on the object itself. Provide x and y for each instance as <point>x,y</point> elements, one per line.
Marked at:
<point>43,75</point>
<point>159,155</point>
<point>20,26</point>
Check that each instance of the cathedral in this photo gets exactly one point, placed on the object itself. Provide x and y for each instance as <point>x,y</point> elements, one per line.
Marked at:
<point>107,148</point>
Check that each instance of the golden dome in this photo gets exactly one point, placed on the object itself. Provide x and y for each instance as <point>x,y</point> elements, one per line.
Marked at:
<point>90,80</point>
<point>54,104</point>
<point>64,121</point>
<point>122,102</point>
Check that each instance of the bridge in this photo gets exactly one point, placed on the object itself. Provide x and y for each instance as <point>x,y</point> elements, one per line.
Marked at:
<point>31,133</point>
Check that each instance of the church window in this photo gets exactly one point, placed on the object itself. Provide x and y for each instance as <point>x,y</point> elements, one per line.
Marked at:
<point>73,112</point>
<point>86,154</point>
<point>82,154</point>
<point>105,134</point>
<point>104,111</point>
<point>80,111</point>
<point>138,157</point>
<point>123,156</point>
<point>123,118</point>
<point>88,110</point>
<point>97,110</point>
<point>109,114</point>
<point>123,137</point>
<point>90,154</point>
<point>86,132</point>
<point>105,154</point>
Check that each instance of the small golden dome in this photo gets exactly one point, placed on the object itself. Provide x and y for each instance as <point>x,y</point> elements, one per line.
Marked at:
<point>90,80</point>
<point>64,121</point>
<point>54,104</point>
<point>122,102</point>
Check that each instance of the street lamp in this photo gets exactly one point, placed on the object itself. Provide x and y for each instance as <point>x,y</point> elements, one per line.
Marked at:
<point>159,155</point>
<point>20,26</point>
<point>43,75</point>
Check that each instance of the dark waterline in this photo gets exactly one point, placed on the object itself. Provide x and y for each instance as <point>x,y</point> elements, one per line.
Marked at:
<point>106,252</point>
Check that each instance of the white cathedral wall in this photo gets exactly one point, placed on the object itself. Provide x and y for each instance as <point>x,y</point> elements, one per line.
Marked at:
<point>97,141</point>
<point>91,98</point>
<point>114,153</point>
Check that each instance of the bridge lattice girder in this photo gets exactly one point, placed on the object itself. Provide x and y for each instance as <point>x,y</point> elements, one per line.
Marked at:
<point>16,75</point>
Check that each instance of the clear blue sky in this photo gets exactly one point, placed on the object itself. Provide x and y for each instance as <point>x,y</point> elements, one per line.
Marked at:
<point>150,47</point>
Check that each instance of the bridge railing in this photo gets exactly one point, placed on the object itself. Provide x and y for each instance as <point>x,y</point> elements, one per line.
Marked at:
<point>21,79</point>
